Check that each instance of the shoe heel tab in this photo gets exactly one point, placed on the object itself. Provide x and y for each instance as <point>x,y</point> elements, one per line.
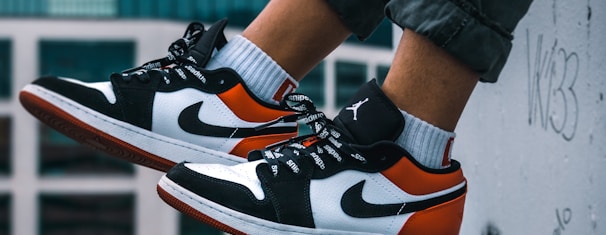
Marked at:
<point>217,29</point>
<point>211,39</point>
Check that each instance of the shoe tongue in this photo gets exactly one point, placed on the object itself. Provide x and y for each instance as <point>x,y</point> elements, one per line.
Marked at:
<point>211,39</point>
<point>370,116</point>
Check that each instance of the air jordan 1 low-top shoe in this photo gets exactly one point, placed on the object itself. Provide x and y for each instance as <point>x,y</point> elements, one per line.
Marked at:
<point>167,111</point>
<point>348,177</point>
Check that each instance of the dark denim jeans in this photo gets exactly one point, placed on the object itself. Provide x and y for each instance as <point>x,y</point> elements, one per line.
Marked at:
<point>477,32</point>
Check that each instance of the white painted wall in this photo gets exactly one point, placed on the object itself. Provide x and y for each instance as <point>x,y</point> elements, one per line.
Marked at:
<point>533,145</point>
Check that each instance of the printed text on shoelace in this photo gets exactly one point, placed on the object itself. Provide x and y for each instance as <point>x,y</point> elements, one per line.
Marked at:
<point>325,141</point>
<point>178,55</point>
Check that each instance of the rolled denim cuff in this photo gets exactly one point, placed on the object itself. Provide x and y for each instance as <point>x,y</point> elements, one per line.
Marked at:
<point>458,27</point>
<point>360,16</point>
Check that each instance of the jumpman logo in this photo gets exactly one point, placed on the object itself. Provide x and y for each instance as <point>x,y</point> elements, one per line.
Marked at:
<point>354,108</point>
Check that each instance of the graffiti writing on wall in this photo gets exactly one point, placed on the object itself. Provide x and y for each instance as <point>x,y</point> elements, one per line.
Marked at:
<point>563,217</point>
<point>552,99</point>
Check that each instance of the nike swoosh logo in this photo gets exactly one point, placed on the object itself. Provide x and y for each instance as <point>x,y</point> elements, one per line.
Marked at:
<point>354,205</point>
<point>189,122</point>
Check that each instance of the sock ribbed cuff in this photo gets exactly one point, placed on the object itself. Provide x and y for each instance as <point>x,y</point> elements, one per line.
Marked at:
<point>428,144</point>
<point>261,74</point>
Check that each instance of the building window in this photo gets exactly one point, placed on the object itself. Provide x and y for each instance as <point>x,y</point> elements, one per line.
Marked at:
<point>382,71</point>
<point>312,85</point>
<point>86,214</point>
<point>89,61</point>
<point>5,69</point>
<point>79,8</point>
<point>190,226</point>
<point>350,76</point>
<point>239,13</point>
<point>60,155</point>
<point>5,214</point>
<point>5,145</point>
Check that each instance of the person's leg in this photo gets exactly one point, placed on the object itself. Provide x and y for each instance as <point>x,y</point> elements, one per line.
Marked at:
<point>428,82</point>
<point>446,48</point>
<point>326,174</point>
<point>431,88</point>
<point>284,42</point>
<point>372,162</point>
<point>297,34</point>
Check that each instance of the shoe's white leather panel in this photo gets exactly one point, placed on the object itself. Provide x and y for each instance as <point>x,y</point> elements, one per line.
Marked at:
<point>326,197</point>
<point>168,107</point>
<point>244,174</point>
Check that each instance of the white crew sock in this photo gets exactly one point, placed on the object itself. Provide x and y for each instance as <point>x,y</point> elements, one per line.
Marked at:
<point>428,144</point>
<point>261,74</point>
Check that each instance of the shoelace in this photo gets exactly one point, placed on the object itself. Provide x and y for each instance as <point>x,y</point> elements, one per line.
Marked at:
<point>178,57</point>
<point>325,141</point>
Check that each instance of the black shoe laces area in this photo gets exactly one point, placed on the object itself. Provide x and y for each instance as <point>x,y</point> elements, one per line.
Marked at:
<point>325,142</point>
<point>177,62</point>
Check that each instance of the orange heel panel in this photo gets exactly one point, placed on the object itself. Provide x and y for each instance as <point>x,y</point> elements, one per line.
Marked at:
<point>443,219</point>
<point>413,180</point>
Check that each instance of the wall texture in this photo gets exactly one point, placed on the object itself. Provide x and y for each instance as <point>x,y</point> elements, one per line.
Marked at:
<point>533,145</point>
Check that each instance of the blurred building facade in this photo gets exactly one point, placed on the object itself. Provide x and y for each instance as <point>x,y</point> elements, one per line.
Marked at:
<point>51,185</point>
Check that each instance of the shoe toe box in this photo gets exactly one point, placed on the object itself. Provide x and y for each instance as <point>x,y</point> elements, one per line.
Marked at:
<point>241,176</point>
<point>98,96</point>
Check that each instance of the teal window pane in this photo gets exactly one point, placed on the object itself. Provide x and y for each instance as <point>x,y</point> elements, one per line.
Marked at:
<point>85,60</point>
<point>60,155</point>
<point>86,214</point>
<point>204,11</point>
<point>240,13</point>
<point>382,71</point>
<point>190,226</point>
<point>350,76</point>
<point>185,10</point>
<point>5,214</point>
<point>5,145</point>
<point>5,69</point>
<point>22,7</point>
<point>312,85</point>
<point>166,8</point>
<point>127,9</point>
<point>82,8</point>
<point>89,61</point>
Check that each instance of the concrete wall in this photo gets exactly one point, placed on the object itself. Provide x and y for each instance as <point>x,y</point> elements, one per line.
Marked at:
<point>533,145</point>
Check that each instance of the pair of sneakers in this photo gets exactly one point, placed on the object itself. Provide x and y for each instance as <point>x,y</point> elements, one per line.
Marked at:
<point>238,164</point>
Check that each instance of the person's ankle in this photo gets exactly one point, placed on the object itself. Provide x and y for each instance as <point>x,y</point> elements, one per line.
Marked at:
<point>261,74</point>
<point>428,144</point>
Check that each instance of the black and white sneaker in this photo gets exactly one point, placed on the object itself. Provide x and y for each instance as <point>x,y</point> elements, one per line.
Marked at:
<point>164,112</point>
<point>349,177</point>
